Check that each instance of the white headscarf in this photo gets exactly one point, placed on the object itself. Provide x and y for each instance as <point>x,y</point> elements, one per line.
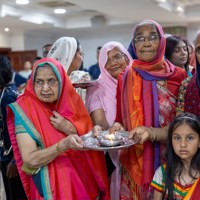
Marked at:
<point>64,50</point>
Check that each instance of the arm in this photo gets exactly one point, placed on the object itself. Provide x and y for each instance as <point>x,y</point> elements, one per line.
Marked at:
<point>62,124</point>
<point>98,118</point>
<point>143,134</point>
<point>157,195</point>
<point>36,158</point>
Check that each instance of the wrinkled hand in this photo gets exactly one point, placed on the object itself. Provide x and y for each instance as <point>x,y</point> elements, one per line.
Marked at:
<point>12,170</point>
<point>72,142</point>
<point>116,127</point>
<point>62,124</point>
<point>141,134</point>
<point>96,130</point>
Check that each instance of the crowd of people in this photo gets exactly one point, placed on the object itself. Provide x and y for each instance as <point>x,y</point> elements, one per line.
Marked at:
<point>150,89</point>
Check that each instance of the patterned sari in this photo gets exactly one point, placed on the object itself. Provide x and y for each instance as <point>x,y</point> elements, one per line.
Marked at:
<point>142,103</point>
<point>70,174</point>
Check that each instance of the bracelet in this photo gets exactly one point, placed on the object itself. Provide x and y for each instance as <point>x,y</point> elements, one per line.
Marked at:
<point>58,147</point>
<point>154,135</point>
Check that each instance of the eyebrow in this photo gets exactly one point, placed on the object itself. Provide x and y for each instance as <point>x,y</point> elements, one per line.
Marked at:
<point>151,33</point>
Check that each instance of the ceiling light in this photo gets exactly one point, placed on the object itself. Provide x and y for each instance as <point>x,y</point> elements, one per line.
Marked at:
<point>59,11</point>
<point>6,29</point>
<point>180,9</point>
<point>23,2</point>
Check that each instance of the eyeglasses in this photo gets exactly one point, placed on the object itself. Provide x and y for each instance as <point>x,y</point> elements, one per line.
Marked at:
<point>151,39</point>
<point>50,82</point>
<point>118,57</point>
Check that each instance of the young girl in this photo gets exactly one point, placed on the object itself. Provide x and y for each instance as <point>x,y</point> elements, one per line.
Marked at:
<point>179,178</point>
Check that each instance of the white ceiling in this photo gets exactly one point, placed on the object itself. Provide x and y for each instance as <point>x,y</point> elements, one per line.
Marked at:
<point>39,16</point>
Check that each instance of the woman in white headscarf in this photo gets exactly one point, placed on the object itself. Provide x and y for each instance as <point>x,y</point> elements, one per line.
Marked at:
<point>68,52</point>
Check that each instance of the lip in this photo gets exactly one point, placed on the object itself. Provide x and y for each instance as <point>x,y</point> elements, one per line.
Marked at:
<point>183,152</point>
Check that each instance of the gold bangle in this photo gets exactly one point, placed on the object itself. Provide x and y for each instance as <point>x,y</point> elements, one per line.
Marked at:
<point>154,135</point>
<point>58,147</point>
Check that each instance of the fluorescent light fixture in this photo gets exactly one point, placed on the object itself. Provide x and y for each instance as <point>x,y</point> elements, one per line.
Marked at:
<point>160,1</point>
<point>6,29</point>
<point>59,11</point>
<point>22,2</point>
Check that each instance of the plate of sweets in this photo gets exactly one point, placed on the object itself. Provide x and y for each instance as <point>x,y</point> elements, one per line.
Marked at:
<point>106,141</point>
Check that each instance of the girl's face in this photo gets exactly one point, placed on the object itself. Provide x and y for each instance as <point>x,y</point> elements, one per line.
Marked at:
<point>185,142</point>
<point>146,42</point>
<point>116,62</point>
<point>180,55</point>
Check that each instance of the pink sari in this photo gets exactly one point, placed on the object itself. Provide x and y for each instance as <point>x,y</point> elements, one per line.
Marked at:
<point>70,174</point>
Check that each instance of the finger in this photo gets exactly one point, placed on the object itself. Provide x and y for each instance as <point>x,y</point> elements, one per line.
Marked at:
<point>132,133</point>
<point>56,114</point>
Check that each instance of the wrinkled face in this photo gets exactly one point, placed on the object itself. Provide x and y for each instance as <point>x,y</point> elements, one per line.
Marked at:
<point>180,55</point>
<point>116,63</point>
<point>46,84</point>
<point>197,48</point>
<point>146,42</point>
<point>185,142</point>
<point>76,62</point>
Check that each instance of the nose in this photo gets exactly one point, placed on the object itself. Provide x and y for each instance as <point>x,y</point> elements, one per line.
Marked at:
<point>45,86</point>
<point>183,143</point>
<point>146,41</point>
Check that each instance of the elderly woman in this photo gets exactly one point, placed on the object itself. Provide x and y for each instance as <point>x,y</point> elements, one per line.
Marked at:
<point>68,52</point>
<point>42,147</point>
<point>147,97</point>
<point>101,97</point>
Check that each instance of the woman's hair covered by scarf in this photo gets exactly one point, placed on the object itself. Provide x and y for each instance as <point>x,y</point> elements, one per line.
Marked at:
<point>64,50</point>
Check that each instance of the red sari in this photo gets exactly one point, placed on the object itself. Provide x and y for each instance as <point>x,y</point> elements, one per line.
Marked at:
<point>73,175</point>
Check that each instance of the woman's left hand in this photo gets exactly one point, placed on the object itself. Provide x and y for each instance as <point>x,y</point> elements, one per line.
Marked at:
<point>62,124</point>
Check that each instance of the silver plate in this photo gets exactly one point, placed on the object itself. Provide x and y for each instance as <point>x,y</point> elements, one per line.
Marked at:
<point>83,84</point>
<point>92,142</point>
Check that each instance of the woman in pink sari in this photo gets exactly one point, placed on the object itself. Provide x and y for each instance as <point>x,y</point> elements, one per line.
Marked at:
<point>47,166</point>
<point>101,99</point>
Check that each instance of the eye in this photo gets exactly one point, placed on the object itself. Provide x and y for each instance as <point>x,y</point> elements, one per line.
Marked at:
<point>52,82</point>
<point>190,138</point>
<point>139,39</point>
<point>39,82</point>
<point>176,138</point>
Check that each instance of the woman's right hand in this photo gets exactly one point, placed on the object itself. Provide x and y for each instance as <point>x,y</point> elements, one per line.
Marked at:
<point>70,142</point>
<point>116,127</point>
<point>142,134</point>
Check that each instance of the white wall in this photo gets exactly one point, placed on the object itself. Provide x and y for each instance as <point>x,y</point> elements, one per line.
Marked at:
<point>89,39</point>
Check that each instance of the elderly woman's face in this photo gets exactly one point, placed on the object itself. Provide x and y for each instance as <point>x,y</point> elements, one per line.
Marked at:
<point>197,48</point>
<point>146,42</point>
<point>116,63</point>
<point>46,85</point>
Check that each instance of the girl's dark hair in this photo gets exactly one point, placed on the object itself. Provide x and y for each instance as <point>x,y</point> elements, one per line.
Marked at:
<point>171,43</point>
<point>174,163</point>
<point>5,71</point>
